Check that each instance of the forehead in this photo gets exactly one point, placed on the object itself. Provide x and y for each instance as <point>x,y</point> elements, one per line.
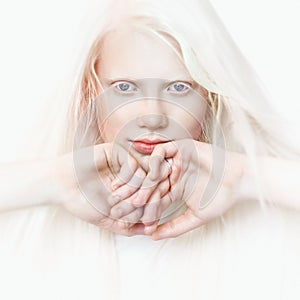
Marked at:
<point>129,53</point>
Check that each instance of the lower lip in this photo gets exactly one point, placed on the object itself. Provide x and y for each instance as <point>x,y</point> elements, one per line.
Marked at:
<point>144,148</point>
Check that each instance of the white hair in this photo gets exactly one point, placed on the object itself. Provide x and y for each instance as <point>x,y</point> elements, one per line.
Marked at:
<point>234,256</point>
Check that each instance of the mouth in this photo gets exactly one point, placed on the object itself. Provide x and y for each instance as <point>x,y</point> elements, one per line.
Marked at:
<point>146,146</point>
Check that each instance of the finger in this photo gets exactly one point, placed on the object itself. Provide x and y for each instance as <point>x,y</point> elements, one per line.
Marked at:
<point>167,150</point>
<point>131,218</point>
<point>113,200</point>
<point>126,173</point>
<point>165,202</point>
<point>159,168</point>
<point>149,229</point>
<point>101,154</point>
<point>154,166</point>
<point>122,209</point>
<point>152,210</point>
<point>136,229</point>
<point>176,171</point>
<point>127,169</point>
<point>144,192</point>
<point>126,190</point>
<point>180,225</point>
<point>159,154</point>
<point>118,156</point>
<point>149,186</point>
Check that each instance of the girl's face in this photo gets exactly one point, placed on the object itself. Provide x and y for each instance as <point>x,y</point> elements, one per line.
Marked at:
<point>149,96</point>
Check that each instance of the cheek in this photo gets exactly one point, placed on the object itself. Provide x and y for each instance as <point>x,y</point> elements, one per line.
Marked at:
<point>198,120</point>
<point>111,127</point>
<point>194,128</point>
<point>191,122</point>
<point>116,124</point>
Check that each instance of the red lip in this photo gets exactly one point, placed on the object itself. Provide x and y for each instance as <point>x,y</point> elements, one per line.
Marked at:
<point>146,146</point>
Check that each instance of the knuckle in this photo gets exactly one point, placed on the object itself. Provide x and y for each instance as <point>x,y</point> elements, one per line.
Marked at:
<point>166,201</point>
<point>133,163</point>
<point>130,188</point>
<point>140,172</point>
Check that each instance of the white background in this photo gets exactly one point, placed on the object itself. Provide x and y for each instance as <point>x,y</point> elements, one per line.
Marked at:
<point>36,49</point>
<point>268,33</point>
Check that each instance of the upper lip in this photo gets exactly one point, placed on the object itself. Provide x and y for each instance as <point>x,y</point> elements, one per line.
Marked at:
<point>151,141</point>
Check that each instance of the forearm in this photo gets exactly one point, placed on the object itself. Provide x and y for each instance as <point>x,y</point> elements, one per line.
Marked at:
<point>24,184</point>
<point>280,181</point>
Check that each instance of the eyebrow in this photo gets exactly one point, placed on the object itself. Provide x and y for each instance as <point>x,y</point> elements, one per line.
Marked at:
<point>109,81</point>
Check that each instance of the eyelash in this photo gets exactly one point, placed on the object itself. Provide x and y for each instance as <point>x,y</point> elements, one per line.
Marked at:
<point>187,86</point>
<point>124,82</point>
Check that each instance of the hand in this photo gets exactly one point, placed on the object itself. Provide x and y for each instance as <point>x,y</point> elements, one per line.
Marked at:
<point>206,193</point>
<point>154,192</point>
<point>87,193</point>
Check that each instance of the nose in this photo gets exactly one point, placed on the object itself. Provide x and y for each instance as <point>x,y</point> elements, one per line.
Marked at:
<point>152,121</point>
<point>152,116</point>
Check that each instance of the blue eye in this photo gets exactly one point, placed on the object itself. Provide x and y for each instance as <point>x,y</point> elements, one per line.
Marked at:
<point>178,87</point>
<point>125,87</point>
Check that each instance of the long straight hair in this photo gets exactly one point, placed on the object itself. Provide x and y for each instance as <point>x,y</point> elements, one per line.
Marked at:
<point>216,261</point>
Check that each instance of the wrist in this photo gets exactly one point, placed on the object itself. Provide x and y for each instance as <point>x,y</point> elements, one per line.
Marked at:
<point>53,182</point>
<point>247,189</point>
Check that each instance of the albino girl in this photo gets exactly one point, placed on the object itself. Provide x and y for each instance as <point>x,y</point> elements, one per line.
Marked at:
<point>167,176</point>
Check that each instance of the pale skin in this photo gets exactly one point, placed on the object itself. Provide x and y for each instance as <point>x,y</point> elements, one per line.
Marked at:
<point>279,178</point>
<point>131,197</point>
<point>52,182</point>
